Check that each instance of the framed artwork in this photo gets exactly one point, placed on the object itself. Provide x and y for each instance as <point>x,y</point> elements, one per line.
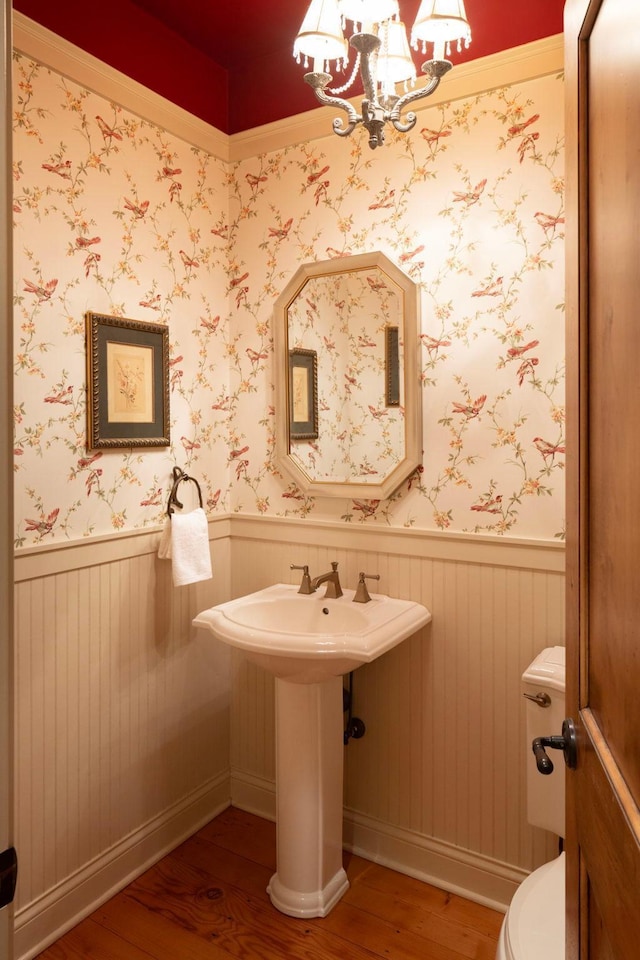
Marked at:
<point>128,383</point>
<point>303,395</point>
<point>392,366</point>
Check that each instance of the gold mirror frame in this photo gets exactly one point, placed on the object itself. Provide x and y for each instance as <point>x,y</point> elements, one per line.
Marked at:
<point>409,379</point>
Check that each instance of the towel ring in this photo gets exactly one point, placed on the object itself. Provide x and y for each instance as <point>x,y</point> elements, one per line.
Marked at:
<point>178,476</point>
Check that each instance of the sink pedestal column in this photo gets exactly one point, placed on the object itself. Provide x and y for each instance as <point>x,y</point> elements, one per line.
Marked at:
<point>309,878</point>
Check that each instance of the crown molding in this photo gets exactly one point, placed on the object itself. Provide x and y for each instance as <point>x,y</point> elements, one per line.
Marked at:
<point>46,47</point>
<point>527,62</point>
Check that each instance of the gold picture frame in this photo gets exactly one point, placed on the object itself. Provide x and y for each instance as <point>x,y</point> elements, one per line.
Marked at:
<point>127,383</point>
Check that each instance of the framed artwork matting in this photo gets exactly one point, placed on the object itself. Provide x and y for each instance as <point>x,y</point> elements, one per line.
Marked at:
<point>127,382</point>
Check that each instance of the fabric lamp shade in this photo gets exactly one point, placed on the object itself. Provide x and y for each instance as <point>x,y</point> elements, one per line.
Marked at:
<point>440,22</point>
<point>395,63</point>
<point>320,36</point>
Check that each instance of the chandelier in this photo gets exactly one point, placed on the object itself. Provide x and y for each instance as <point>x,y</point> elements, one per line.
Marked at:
<point>383,57</point>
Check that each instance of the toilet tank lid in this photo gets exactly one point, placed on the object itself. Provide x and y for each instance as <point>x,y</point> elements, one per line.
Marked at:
<point>548,668</point>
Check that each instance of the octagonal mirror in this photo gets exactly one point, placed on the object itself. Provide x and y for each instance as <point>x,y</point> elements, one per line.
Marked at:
<point>348,405</point>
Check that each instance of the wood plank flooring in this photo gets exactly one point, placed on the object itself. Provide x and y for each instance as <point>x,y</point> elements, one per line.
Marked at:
<point>207,900</point>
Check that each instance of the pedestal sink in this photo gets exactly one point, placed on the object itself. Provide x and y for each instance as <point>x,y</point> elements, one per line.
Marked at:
<point>308,642</point>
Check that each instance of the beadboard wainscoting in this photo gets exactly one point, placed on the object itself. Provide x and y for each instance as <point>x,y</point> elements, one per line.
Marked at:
<point>122,721</point>
<point>436,787</point>
<point>132,729</point>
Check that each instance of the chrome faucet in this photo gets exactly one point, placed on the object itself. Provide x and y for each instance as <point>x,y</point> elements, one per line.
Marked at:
<point>332,581</point>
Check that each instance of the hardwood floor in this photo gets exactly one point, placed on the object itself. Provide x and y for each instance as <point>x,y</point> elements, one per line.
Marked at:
<point>207,900</point>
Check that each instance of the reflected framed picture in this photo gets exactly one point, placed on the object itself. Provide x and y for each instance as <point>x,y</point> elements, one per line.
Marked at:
<point>392,366</point>
<point>303,394</point>
<point>128,383</point>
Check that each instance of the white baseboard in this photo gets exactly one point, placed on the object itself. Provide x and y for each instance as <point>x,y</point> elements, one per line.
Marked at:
<point>46,919</point>
<point>253,794</point>
<point>459,871</point>
<point>451,868</point>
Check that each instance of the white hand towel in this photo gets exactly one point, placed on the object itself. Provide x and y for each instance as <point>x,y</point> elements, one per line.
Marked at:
<point>185,541</point>
<point>164,547</point>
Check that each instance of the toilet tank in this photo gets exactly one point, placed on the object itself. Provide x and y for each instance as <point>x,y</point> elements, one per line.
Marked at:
<point>545,794</point>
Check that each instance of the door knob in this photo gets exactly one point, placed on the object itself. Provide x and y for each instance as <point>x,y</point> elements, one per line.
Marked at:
<point>566,742</point>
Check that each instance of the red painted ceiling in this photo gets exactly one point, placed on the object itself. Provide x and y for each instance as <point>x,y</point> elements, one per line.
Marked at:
<point>231,64</point>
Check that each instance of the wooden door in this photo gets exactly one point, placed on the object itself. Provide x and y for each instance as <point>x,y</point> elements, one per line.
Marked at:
<point>602,58</point>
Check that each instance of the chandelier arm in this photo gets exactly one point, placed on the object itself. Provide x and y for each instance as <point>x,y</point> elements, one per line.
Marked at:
<point>409,122</point>
<point>435,69</point>
<point>318,82</point>
<point>406,124</point>
<point>344,131</point>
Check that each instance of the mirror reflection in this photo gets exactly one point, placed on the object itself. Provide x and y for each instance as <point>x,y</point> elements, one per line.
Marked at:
<point>348,402</point>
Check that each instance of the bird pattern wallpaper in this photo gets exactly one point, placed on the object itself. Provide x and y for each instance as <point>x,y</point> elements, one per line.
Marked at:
<point>116,216</point>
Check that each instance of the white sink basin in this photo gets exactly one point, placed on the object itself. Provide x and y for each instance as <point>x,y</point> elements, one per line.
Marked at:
<point>307,638</point>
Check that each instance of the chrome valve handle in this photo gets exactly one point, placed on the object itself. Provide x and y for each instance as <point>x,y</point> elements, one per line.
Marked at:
<point>542,699</point>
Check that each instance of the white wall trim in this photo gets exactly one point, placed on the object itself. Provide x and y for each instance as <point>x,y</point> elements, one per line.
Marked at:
<point>253,794</point>
<point>467,874</point>
<point>462,872</point>
<point>61,556</point>
<point>527,62</point>
<point>58,557</point>
<point>408,542</point>
<point>46,919</point>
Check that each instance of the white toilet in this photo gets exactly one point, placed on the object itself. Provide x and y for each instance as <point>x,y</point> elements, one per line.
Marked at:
<point>533,928</point>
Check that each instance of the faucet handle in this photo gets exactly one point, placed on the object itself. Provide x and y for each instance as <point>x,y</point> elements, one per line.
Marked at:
<point>362,594</point>
<point>305,584</point>
<point>334,590</point>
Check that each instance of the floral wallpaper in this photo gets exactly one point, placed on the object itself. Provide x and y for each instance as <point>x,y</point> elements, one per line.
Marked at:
<point>471,205</point>
<point>114,215</point>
